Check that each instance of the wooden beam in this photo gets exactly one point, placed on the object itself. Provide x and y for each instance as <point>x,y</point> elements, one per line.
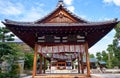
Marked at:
<point>40,70</point>
<point>35,61</point>
<point>87,59</point>
<point>44,65</point>
<point>82,68</point>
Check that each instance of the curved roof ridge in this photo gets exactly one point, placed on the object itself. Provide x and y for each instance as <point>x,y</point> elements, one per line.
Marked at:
<point>76,16</point>
<point>58,24</point>
<point>111,20</point>
<point>11,21</point>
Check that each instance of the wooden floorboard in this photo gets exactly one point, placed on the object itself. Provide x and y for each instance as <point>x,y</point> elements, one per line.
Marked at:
<point>61,76</point>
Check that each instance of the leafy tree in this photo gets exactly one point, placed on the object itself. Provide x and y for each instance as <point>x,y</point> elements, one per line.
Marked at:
<point>114,50</point>
<point>91,55</point>
<point>18,51</point>
<point>115,62</point>
<point>104,56</point>
<point>99,56</point>
<point>5,35</point>
<point>5,49</point>
<point>10,52</point>
<point>7,54</point>
<point>28,60</point>
<point>116,45</point>
<point>110,56</point>
<point>11,48</point>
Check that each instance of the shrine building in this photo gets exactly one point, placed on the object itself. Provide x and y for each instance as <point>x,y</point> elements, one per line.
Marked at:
<point>61,37</point>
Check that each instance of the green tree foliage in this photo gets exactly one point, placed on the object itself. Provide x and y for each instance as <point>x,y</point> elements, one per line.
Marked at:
<point>110,56</point>
<point>91,55</point>
<point>114,50</point>
<point>5,49</point>
<point>7,55</point>
<point>5,34</point>
<point>115,62</point>
<point>99,56</point>
<point>29,60</point>
<point>104,56</point>
<point>11,49</point>
<point>18,51</point>
<point>10,53</point>
<point>116,44</point>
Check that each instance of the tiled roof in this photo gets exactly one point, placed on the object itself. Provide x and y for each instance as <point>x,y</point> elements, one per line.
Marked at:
<point>59,24</point>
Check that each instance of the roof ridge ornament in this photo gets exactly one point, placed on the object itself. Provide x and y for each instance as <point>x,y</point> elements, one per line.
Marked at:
<point>60,3</point>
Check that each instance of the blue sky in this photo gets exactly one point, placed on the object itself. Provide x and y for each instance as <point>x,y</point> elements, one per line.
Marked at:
<point>91,10</point>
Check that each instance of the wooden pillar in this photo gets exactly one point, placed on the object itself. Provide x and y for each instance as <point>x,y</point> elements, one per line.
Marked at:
<point>79,63</point>
<point>35,61</point>
<point>44,65</point>
<point>87,59</point>
<point>40,70</point>
<point>82,67</point>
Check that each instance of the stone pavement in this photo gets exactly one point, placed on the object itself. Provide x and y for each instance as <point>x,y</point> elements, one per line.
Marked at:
<point>105,75</point>
<point>96,76</point>
<point>27,77</point>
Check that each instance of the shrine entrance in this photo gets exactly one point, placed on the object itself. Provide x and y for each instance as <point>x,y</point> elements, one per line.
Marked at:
<point>62,57</point>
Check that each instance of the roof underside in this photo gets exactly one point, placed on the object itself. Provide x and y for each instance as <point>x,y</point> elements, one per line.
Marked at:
<point>92,31</point>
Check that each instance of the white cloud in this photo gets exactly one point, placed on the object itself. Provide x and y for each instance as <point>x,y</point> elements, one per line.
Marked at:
<point>39,4</point>
<point>71,8</point>
<point>69,5</point>
<point>68,2</point>
<point>33,14</point>
<point>107,1</point>
<point>9,8</point>
<point>116,2</point>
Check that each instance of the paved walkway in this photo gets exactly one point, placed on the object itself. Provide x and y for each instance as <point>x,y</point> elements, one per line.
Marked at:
<point>96,76</point>
<point>105,75</point>
<point>27,77</point>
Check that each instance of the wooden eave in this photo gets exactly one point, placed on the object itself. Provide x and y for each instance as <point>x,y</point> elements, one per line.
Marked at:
<point>32,24</point>
<point>93,31</point>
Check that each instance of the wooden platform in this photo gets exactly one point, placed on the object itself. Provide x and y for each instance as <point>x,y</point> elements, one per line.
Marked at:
<point>61,76</point>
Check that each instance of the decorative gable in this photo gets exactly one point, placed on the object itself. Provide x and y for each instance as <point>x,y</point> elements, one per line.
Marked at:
<point>61,15</point>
